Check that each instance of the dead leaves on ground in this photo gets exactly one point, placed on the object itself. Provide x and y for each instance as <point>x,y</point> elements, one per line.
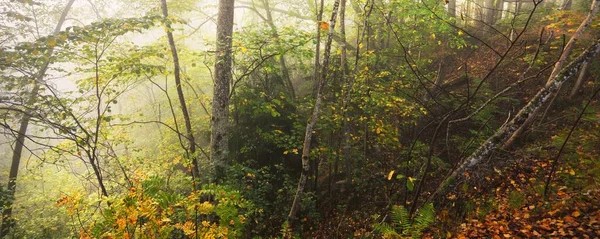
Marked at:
<point>566,214</point>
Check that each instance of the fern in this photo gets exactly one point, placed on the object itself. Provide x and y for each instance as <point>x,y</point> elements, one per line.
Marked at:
<point>385,229</point>
<point>425,217</point>
<point>402,226</point>
<point>401,217</point>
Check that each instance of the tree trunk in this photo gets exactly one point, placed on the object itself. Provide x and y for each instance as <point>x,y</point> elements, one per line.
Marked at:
<point>492,143</point>
<point>566,5</point>
<point>220,107</point>
<point>318,48</point>
<point>490,12</point>
<point>186,116</point>
<point>284,69</point>
<point>499,10</point>
<point>347,96</point>
<point>557,67</point>
<point>452,8</point>
<point>313,121</point>
<point>7,220</point>
<point>580,80</point>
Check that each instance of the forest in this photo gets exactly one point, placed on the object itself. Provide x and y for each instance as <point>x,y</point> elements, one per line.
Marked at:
<point>299,119</point>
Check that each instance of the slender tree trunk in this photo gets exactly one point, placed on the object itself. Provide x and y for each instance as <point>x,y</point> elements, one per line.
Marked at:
<point>7,220</point>
<point>580,80</point>
<point>557,67</point>
<point>566,5</point>
<point>318,48</point>
<point>499,10</point>
<point>284,69</point>
<point>220,107</point>
<point>489,14</point>
<point>495,141</point>
<point>347,96</point>
<point>313,121</point>
<point>177,72</point>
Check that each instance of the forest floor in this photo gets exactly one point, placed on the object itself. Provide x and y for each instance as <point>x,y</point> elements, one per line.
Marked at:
<point>518,209</point>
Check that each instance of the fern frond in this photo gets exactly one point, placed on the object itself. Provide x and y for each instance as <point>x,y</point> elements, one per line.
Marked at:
<point>425,217</point>
<point>385,229</point>
<point>401,218</point>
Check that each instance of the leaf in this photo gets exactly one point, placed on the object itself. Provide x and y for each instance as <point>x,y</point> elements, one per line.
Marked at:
<point>244,49</point>
<point>389,177</point>
<point>324,25</point>
<point>410,184</point>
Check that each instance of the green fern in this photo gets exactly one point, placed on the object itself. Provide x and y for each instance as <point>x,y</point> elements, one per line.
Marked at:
<point>401,225</point>
<point>401,218</point>
<point>425,217</point>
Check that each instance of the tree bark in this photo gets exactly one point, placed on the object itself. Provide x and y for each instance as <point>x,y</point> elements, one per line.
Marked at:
<point>318,48</point>
<point>313,120</point>
<point>580,79</point>
<point>219,141</point>
<point>495,141</point>
<point>177,73</point>
<point>7,220</point>
<point>557,67</point>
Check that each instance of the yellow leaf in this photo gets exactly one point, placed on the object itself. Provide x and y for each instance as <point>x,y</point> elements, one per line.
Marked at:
<point>360,46</point>
<point>51,42</point>
<point>295,151</point>
<point>389,177</point>
<point>285,152</point>
<point>244,49</point>
<point>432,35</point>
<point>572,172</point>
<point>576,214</point>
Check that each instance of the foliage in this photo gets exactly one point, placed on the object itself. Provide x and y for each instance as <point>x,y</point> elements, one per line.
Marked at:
<point>403,226</point>
<point>399,112</point>
<point>149,211</point>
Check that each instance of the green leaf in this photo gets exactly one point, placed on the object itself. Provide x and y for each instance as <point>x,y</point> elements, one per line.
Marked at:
<point>410,184</point>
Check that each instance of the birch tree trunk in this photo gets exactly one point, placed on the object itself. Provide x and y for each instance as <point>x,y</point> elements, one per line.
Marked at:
<point>7,220</point>
<point>313,120</point>
<point>219,142</point>
<point>580,80</point>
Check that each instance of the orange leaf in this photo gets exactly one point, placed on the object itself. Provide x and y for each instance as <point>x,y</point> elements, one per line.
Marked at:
<point>324,25</point>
